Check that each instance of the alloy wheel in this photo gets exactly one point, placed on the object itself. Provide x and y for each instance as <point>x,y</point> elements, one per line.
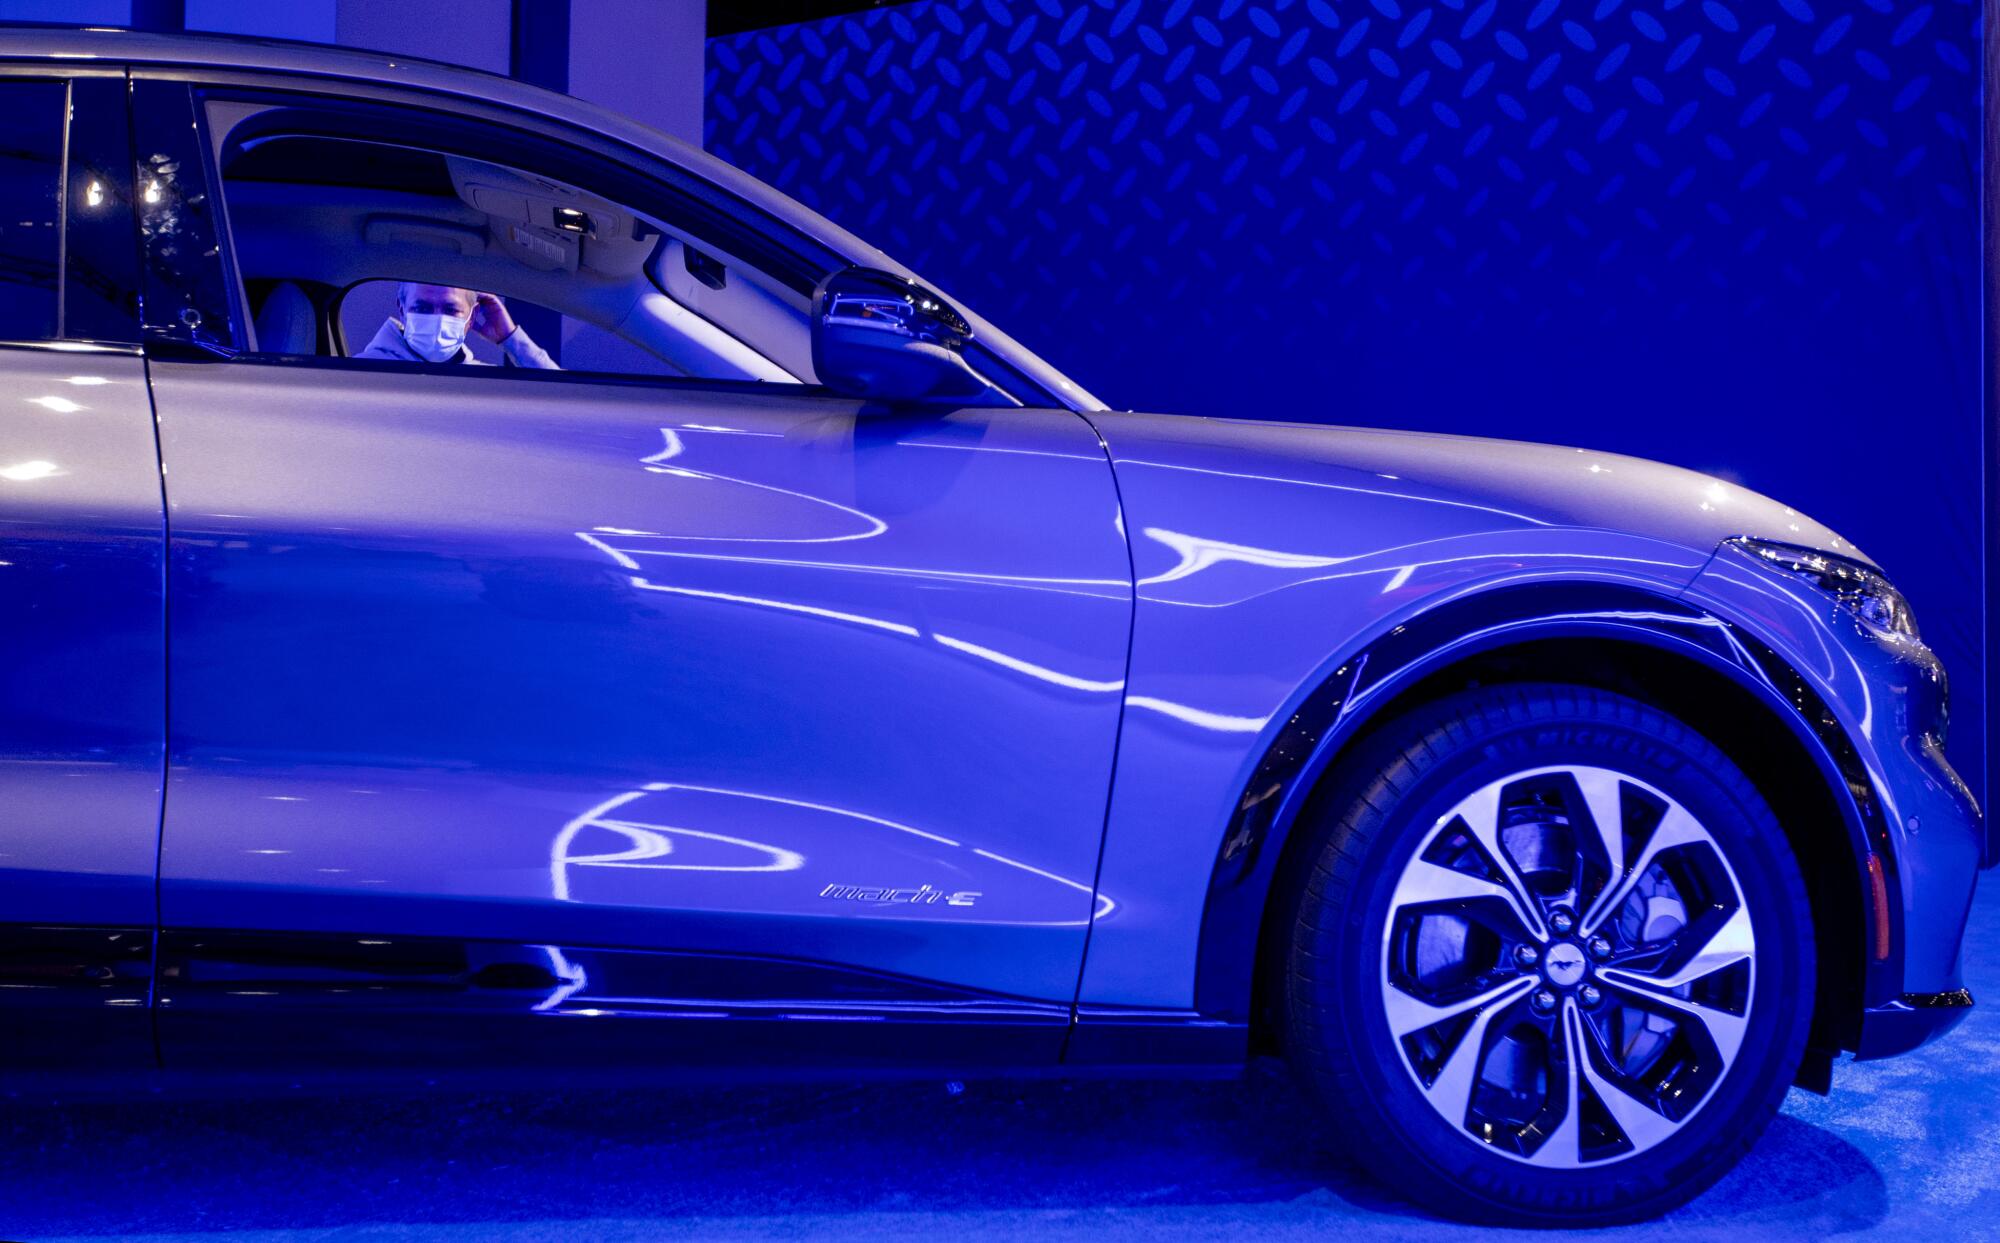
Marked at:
<point>1567,966</point>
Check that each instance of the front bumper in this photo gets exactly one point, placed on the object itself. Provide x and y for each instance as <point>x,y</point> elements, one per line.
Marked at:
<point>1911,1020</point>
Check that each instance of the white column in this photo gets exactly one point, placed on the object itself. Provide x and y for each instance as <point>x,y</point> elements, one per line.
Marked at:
<point>311,20</point>
<point>464,32</point>
<point>644,58</point>
<point>82,12</point>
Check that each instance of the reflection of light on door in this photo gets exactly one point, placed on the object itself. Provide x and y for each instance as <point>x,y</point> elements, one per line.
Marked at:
<point>570,977</point>
<point>675,446</point>
<point>1197,717</point>
<point>648,843</point>
<point>1197,554</point>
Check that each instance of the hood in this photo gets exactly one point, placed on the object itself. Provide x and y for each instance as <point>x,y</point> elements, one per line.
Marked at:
<point>1514,481</point>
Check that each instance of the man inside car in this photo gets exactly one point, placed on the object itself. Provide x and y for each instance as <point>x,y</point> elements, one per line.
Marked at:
<point>434,324</point>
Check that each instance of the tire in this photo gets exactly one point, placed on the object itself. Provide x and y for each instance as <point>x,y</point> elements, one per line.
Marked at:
<point>1399,919</point>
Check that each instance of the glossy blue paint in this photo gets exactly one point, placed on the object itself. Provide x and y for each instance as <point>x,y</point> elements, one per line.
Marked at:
<point>639,665</point>
<point>83,699</point>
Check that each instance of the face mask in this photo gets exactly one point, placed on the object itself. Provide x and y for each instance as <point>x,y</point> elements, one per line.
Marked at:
<point>435,338</point>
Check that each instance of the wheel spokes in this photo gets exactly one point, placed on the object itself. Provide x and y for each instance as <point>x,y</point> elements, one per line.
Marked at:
<point>1426,883</point>
<point>1564,1145</point>
<point>1481,816</point>
<point>1642,1124</point>
<point>1601,788</point>
<point>1729,944</point>
<point>1408,1013</point>
<point>1676,828</point>
<point>1450,1091</point>
<point>1724,1029</point>
<point>1722,946</point>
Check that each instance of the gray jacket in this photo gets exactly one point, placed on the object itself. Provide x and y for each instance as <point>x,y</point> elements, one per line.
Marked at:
<point>519,347</point>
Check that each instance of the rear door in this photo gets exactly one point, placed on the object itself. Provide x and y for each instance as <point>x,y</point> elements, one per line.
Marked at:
<point>82,657</point>
<point>526,693</point>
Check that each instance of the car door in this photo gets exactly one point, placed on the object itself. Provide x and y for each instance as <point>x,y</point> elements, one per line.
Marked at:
<point>518,693</point>
<point>82,656</point>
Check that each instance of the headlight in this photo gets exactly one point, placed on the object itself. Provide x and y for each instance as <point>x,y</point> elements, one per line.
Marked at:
<point>1860,589</point>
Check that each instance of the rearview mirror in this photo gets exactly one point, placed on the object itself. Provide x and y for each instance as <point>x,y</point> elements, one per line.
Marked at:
<point>877,335</point>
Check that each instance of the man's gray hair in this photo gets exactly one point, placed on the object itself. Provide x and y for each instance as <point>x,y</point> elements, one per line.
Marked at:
<point>403,291</point>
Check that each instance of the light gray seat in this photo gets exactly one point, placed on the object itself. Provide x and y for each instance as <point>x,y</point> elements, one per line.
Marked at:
<point>287,324</point>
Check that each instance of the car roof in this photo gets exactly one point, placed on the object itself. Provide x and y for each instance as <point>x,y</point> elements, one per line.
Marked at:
<point>82,44</point>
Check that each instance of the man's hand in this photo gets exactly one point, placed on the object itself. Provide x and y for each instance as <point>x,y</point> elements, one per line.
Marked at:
<point>491,320</point>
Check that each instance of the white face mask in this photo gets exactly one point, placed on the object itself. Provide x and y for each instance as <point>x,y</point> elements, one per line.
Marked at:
<point>435,338</point>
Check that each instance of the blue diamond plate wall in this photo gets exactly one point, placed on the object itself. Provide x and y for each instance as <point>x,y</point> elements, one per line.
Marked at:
<point>1741,236</point>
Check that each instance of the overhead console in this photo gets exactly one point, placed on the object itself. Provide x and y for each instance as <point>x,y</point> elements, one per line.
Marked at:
<point>549,226</point>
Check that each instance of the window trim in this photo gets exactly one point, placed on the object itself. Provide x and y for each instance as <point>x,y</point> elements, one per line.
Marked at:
<point>66,345</point>
<point>535,375</point>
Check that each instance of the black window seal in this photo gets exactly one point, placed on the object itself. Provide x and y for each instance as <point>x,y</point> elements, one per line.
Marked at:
<point>623,379</point>
<point>75,345</point>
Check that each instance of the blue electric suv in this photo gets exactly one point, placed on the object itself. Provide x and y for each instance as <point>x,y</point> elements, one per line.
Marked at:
<point>484,586</point>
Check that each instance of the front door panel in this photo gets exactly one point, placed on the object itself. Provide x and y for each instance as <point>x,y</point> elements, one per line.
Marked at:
<point>82,683</point>
<point>541,660</point>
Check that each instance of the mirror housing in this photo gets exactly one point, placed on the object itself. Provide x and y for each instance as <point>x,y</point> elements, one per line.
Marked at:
<point>877,335</point>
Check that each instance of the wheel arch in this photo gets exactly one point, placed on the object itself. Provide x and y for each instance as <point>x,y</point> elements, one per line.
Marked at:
<point>1708,672</point>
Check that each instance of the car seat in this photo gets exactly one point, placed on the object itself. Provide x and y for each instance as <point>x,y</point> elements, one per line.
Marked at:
<point>287,323</point>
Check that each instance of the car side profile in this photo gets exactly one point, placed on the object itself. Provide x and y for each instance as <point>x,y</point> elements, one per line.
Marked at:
<point>797,675</point>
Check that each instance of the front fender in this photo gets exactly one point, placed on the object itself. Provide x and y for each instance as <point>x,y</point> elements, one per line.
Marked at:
<point>1258,575</point>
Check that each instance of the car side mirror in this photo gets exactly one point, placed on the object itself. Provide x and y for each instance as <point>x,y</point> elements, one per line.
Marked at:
<point>880,336</point>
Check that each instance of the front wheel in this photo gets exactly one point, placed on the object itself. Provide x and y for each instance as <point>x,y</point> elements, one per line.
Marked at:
<point>1551,961</point>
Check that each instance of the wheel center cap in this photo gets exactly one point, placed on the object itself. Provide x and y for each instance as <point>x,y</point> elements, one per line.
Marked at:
<point>1565,964</point>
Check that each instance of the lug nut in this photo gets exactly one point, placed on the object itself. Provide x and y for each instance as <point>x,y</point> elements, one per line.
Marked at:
<point>1543,1000</point>
<point>1600,947</point>
<point>1589,995</point>
<point>1562,922</point>
<point>1526,956</point>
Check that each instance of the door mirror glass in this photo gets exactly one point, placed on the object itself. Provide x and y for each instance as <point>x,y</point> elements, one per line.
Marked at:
<point>877,335</point>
